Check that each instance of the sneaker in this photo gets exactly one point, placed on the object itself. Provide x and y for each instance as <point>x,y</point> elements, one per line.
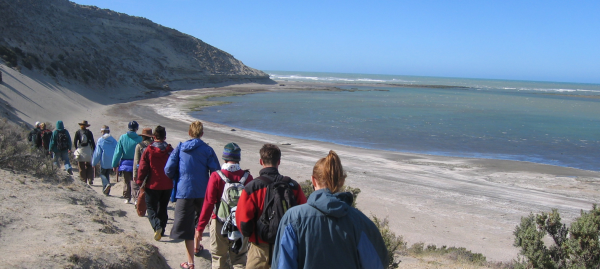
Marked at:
<point>127,201</point>
<point>158,234</point>
<point>91,182</point>
<point>106,190</point>
<point>135,203</point>
<point>70,171</point>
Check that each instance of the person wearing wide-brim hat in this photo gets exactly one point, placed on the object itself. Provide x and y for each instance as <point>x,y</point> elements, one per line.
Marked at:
<point>84,147</point>
<point>148,138</point>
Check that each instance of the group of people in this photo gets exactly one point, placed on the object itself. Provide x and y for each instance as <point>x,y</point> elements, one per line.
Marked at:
<point>260,222</point>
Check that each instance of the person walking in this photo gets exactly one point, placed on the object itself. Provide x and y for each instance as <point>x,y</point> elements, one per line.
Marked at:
<point>223,250</point>
<point>190,165</point>
<point>60,145</point>
<point>34,136</point>
<point>252,202</point>
<point>123,157</point>
<point>103,154</point>
<point>84,149</point>
<point>147,139</point>
<point>327,232</point>
<point>45,136</point>
<point>157,185</point>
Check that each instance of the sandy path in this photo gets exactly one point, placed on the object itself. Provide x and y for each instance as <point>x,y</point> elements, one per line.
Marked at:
<point>471,203</point>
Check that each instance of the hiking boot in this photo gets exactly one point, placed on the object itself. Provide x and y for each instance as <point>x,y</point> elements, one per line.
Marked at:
<point>70,171</point>
<point>106,190</point>
<point>91,182</point>
<point>158,234</point>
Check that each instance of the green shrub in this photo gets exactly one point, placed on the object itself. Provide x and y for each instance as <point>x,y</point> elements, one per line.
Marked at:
<point>577,247</point>
<point>16,152</point>
<point>392,241</point>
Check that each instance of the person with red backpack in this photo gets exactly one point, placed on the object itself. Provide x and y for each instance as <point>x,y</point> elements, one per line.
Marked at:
<point>60,145</point>
<point>152,178</point>
<point>222,195</point>
<point>271,193</point>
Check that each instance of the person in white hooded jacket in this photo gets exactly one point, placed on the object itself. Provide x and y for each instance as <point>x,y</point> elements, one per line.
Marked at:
<point>105,149</point>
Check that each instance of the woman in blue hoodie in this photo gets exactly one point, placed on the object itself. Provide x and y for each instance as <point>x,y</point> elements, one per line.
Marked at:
<point>123,157</point>
<point>327,232</point>
<point>190,166</point>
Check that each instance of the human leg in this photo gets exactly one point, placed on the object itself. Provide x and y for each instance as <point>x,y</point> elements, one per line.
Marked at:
<point>64,155</point>
<point>258,256</point>
<point>82,171</point>
<point>162,208</point>
<point>89,172</point>
<point>219,245</point>
<point>239,260</point>
<point>127,176</point>
<point>152,199</point>
<point>135,190</point>
<point>105,176</point>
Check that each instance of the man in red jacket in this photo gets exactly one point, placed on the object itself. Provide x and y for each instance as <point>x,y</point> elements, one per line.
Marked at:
<point>251,204</point>
<point>221,246</point>
<point>157,185</point>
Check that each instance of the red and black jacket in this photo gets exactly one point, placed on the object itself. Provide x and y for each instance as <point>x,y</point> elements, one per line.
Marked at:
<point>152,165</point>
<point>252,201</point>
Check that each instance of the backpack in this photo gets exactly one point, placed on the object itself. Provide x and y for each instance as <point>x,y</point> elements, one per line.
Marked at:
<point>279,198</point>
<point>230,197</point>
<point>83,138</point>
<point>62,140</point>
<point>34,137</point>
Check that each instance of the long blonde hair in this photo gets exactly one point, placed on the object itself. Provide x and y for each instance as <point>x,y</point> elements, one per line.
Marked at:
<point>329,173</point>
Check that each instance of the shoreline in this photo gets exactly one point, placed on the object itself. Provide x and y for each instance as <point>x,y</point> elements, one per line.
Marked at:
<point>461,202</point>
<point>453,201</point>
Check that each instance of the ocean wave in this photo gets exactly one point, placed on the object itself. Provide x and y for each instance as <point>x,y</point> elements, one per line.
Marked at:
<point>333,79</point>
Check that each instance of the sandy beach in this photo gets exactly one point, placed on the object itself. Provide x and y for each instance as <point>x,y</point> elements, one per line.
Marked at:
<point>471,203</point>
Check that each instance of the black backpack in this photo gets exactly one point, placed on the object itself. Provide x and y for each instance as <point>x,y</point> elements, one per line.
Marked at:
<point>62,141</point>
<point>279,198</point>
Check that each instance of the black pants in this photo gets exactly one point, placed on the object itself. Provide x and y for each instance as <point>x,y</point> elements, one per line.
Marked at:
<point>157,201</point>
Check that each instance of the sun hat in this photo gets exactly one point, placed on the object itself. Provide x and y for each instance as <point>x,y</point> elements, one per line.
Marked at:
<point>232,152</point>
<point>147,132</point>
<point>85,123</point>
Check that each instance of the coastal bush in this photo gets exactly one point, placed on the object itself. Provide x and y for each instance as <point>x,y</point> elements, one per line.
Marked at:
<point>393,242</point>
<point>574,247</point>
<point>307,189</point>
<point>17,154</point>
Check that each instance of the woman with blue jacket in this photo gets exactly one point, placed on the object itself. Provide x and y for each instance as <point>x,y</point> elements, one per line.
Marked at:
<point>190,166</point>
<point>327,232</point>
<point>103,154</point>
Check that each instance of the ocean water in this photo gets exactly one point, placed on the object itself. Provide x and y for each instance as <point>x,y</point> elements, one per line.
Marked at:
<point>542,122</point>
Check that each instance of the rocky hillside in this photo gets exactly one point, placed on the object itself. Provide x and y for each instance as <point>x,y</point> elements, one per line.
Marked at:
<point>109,49</point>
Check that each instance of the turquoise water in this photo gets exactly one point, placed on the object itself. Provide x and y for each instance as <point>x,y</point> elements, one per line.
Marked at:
<point>551,123</point>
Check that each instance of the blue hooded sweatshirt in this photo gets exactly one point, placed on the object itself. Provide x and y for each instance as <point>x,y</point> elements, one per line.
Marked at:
<point>60,127</point>
<point>126,151</point>
<point>327,232</point>
<point>104,152</point>
<point>190,166</point>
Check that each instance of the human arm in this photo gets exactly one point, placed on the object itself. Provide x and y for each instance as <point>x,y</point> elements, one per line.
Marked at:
<point>300,197</point>
<point>245,214</point>
<point>91,140</point>
<point>285,252</point>
<point>97,156</point>
<point>76,139</point>
<point>136,159</point>
<point>213,162</point>
<point>144,169</point>
<point>172,166</point>
<point>118,154</point>
<point>212,197</point>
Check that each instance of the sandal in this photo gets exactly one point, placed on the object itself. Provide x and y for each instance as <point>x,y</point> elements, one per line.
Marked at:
<point>185,265</point>
<point>198,251</point>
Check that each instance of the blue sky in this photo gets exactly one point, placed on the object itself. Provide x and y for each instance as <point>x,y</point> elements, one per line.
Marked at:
<point>520,40</point>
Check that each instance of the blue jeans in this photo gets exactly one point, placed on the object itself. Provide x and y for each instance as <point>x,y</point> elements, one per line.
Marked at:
<point>64,155</point>
<point>105,176</point>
